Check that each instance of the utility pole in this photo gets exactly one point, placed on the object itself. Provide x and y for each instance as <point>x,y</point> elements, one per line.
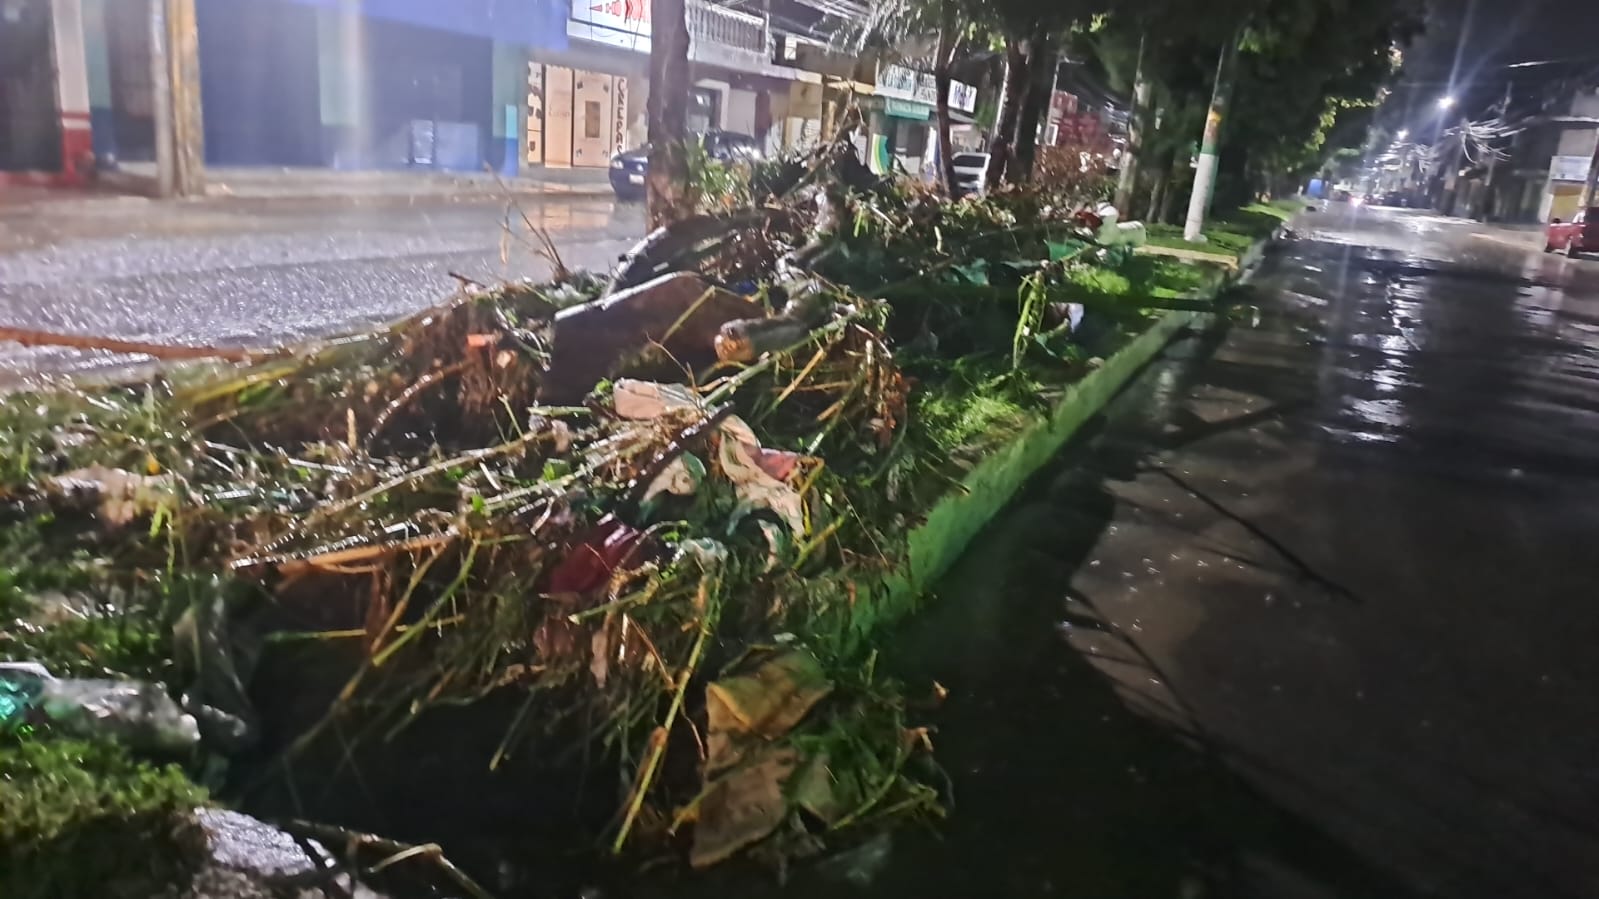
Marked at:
<point>1493,160</point>
<point>175,88</point>
<point>1209,148</point>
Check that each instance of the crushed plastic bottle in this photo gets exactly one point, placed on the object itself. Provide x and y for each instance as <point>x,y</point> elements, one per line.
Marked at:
<point>136,714</point>
<point>20,686</point>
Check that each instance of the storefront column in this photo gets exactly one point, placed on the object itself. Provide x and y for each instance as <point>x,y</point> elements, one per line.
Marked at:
<point>72,91</point>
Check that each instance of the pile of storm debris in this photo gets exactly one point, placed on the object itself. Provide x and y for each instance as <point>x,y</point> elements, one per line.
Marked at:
<point>646,519</point>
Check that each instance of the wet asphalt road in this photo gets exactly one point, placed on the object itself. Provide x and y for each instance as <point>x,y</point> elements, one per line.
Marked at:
<point>262,272</point>
<point>1314,612</point>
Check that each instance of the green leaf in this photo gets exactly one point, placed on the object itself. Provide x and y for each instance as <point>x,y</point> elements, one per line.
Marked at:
<point>1059,251</point>
<point>975,272</point>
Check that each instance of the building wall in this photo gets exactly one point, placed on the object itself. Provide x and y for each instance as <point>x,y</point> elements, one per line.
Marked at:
<point>397,95</point>
<point>1560,198</point>
<point>533,23</point>
<point>509,107</point>
<point>259,85</point>
<point>359,84</point>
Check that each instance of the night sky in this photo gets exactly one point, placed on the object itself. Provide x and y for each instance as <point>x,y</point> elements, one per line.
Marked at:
<point>1470,44</point>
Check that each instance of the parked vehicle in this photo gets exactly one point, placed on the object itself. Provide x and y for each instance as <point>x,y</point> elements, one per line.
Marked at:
<point>629,167</point>
<point>971,174</point>
<point>1578,236</point>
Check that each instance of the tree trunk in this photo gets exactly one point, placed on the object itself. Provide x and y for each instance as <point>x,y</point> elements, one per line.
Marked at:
<point>1157,193</point>
<point>175,76</point>
<point>1002,140</point>
<point>1040,85</point>
<point>666,185</point>
<point>1128,181</point>
<point>1174,177</point>
<point>1205,174</point>
<point>946,54</point>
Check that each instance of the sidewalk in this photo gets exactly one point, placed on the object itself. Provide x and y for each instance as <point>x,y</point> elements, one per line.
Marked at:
<point>267,183</point>
<point>1526,237</point>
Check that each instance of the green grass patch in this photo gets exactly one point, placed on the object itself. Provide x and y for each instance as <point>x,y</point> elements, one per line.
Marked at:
<point>963,417</point>
<point>1231,234</point>
<point>81,819</point>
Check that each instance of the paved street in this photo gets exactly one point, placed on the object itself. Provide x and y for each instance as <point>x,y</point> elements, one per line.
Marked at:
<point>263,271</point>
<point>1313,614</point>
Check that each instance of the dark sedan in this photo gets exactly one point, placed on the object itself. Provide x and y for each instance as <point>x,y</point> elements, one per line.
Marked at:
<point>629,167</point>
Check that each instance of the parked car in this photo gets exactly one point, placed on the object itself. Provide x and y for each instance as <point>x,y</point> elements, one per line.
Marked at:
<point>971,173</point>
<point>1578,236</point>
<point>629,167</point>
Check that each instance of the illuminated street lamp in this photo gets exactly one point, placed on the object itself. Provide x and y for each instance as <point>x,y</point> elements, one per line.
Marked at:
<point>1447,101</point>
<point>1403,133</point>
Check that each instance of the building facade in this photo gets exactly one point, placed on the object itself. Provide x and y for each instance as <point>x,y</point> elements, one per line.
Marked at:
<point>586,102</point>
<point>464,85</point>
<point>44,93</point>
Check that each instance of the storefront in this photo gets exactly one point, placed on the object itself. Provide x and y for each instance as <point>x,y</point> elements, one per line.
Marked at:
<point>44,95</point>
<point>903,110</point>
<point>350,84</point>
<point>586,102</point>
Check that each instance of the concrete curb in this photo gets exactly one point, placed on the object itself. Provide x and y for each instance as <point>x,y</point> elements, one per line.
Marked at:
<point>359,187</point>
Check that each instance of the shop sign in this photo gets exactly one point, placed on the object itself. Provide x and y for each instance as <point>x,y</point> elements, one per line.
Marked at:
<point>620,23</point>
<point>1569,168</point>
<point>900,83</point>
<point>963,96</point>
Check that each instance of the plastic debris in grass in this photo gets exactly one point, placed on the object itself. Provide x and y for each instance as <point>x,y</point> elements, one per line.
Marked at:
<point>138,715</point>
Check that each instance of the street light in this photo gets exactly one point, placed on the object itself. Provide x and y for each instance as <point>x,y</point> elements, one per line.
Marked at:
<point>1403,133</point>
<point>1447,101</point>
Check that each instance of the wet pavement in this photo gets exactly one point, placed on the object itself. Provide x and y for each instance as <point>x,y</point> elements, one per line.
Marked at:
<point>1312,614</point>
<point>263,272</point>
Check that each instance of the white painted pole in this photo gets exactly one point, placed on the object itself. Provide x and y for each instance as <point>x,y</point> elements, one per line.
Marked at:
<point>1210,146</point>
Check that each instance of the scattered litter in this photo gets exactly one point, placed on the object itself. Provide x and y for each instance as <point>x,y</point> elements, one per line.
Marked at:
<point>118,496</point>
<point>139,715</point>
<point>740,457</point>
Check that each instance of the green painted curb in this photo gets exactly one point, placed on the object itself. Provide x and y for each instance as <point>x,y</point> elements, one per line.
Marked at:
<point>941,539</point>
